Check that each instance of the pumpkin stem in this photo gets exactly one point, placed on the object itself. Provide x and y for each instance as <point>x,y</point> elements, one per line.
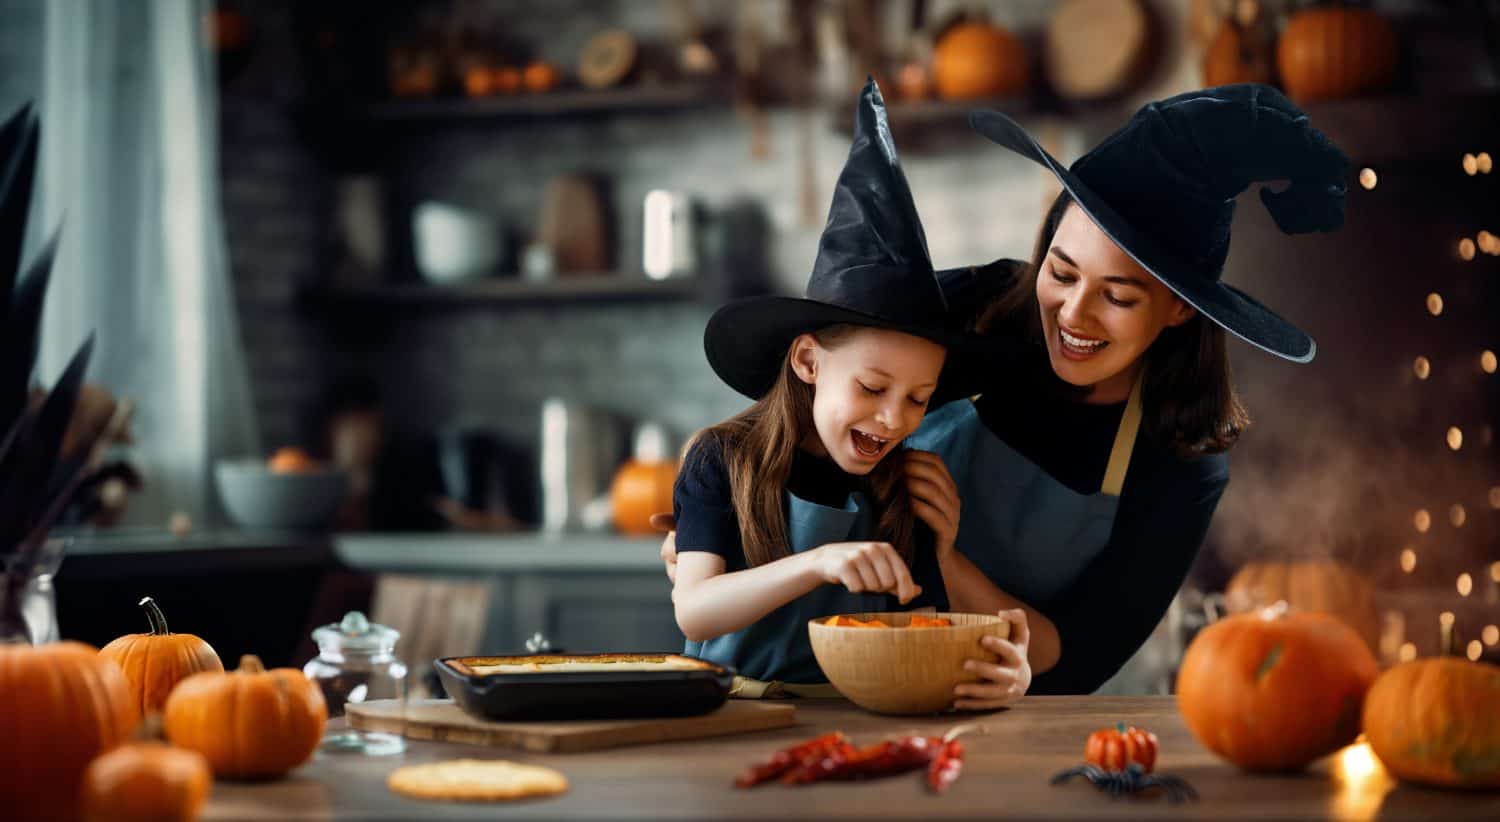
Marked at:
<point>1120,727</point>
<point>154,617</point>
<point>251,664</point>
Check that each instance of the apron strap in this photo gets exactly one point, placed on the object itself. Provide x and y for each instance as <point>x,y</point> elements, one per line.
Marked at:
<point>1119,455</point>
<point>746,688</point>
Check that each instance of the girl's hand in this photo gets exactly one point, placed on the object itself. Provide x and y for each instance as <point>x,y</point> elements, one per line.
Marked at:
<point>1002,682</point>
<point>665,522</point>
<point>873,567</point>
<point>934,496</point>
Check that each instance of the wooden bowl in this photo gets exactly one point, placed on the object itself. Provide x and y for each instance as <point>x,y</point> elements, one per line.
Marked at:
<point>902,670</point>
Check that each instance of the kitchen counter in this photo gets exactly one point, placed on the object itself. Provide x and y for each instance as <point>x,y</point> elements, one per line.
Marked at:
<point>1009,759</point>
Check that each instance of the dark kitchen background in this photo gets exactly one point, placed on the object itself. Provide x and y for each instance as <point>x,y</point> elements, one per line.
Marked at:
<point>467,251</point>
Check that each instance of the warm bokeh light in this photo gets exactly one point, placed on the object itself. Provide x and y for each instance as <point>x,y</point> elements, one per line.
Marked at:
<point>1486,242</point>
<point>1487,361</point>
<point>1408,560</point>
<point>1465,584</point>
<point>1466,251</point>
<point>1455,437</point>
<point>1422,367</point>
<point>1408,651</point>
<point>1490,634</point>
<point>1495,503</point>
<point>1435,300</point>
<point>1471,164</point>
<point>1495,571</point>
<point>1475,650</point>
<point>1368,178</point>
<point>1483,163</point>
<point>1422,520</point>
<point>1445,619</point>
<point>1458,515</point>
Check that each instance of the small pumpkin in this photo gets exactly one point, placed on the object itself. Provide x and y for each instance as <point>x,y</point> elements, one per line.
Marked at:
<point>641,488</point>
<point>1237,55</point>
<point>249,722</point>
<point>146,782</point>
<point>65,705</point>
<point>1273,690</point>
<point>1437,722</point>
<point>155,662</point>
<point>974,60</point>
<point>1325,53</point>
<point>1318,586</point>
<point>1113,749</point>
<point>540,76</point>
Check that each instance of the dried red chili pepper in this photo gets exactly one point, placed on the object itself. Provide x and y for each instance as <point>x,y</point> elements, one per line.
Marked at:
<point>946,766</point>
<point>881,759</point>
<point>788,758</point>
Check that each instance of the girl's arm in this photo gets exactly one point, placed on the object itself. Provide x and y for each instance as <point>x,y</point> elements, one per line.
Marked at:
<point>935,499</point>
<point>710,603</point>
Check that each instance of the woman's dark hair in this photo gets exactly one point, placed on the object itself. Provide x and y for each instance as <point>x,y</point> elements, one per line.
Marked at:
<point>1188,397</point>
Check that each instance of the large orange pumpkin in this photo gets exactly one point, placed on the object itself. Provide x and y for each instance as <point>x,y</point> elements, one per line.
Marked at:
<point>1271,690</point>
<point>249,722</point>
<point>1316,586</point>
<point>1326,53</point>
<point>64,705</point>
<point>1236,55</point>
<point>639,490</point>
<point>975,60</point>
<point>1437,721</point>
<point>146,782</point>
<point>155,662</point>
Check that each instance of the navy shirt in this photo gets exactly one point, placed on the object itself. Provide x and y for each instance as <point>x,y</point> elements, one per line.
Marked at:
<point>1112,606</point>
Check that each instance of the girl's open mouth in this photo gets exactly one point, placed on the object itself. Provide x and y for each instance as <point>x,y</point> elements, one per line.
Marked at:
<point>867,445</point>
<point>1079,348</point>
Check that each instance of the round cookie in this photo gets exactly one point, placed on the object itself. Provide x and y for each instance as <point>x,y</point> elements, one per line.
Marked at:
<point>476,780</point>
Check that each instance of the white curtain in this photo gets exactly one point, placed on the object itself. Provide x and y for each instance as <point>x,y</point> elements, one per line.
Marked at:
<point>129,170</point>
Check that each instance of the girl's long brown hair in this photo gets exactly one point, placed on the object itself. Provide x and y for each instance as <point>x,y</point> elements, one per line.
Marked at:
<point>1187,395</point>
<point>759,445</point>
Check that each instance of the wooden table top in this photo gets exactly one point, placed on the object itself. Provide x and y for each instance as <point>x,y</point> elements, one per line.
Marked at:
<point>1008,762</point>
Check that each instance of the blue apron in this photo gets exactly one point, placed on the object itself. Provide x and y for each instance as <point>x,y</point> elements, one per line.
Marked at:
<point>1030,534</point>
<point>774,655</point>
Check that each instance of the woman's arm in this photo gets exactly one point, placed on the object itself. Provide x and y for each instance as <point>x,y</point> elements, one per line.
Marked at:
<point>935,499</point>
<point>710,603</point>
<point>1106,615</point>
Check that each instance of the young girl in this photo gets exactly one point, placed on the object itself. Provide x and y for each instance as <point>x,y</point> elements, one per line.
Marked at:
<point>797,507</point>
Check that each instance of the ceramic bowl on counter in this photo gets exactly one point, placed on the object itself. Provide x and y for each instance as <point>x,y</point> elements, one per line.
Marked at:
<point>453,244</point>
<point>902,669</point>
<point>256,496</point>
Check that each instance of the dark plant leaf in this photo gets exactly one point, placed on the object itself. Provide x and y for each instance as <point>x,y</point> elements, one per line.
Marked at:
<point>18,340</point>
<point>18,151</point>
<point>29,462</point>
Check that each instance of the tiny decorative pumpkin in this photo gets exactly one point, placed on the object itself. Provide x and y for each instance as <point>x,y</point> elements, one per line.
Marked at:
<point>146,782</point>
<point>975,60</point>
<point>640,489</point>
<point>1236,56</point>
<point>1326,53</point>
<point>249,722</point>
<point>65,705</point>
<point>539,77</point>
<point>1437,722</point>
<point>1271,690</point>
<point>155,662</point>
<point>1113,749</point>
<point>1317,586</point>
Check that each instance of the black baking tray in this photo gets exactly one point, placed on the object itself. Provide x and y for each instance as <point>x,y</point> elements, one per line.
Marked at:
<point>583,694</point>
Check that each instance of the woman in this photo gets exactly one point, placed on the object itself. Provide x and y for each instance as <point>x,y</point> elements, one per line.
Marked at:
<point>1091,474</point>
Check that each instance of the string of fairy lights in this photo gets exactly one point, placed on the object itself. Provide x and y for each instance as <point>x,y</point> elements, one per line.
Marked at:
<point>1468,248</point>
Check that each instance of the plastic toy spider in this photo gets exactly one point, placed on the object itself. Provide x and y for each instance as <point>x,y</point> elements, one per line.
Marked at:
<point>1133,779</point>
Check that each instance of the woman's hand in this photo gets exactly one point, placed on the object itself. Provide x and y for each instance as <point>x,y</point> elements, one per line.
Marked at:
<point>934,496</point>
<point>872,567</point>
<point>1004,681</point>
<point>665,522</point>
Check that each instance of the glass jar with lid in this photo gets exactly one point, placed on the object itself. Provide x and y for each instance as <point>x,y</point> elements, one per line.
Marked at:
<point>356,663</point>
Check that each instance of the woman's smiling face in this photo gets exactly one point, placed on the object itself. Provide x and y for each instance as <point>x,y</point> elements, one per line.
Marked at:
<point>1100,309</point>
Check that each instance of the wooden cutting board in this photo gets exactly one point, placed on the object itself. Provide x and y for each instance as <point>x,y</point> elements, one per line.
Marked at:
<point>443,721</point>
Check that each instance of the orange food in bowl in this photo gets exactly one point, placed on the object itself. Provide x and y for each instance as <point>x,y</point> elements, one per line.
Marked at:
<point>291,460</point>
<point>917,621</point>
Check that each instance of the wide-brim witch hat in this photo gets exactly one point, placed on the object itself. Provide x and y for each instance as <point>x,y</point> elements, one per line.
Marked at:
<point>1163,188</point>
<point>872,269</point>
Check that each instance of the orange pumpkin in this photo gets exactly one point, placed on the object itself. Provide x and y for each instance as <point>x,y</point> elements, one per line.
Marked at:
<point>291,460</point>
<point>1113,749</point>
<point>146,782</point>
<point>1326,53</point>
<point>540,76</point>
<point>1236,55</point>
<point>1317,586</point>
<point>64,706</point>
<point>1437,722</point>
<point>1271,690</point>
<point>975,60</point>
<point>249,722</point>
<point>640,489</point>
<point>155,662</point>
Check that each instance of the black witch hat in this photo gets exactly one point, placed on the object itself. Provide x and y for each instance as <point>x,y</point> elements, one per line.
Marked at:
<point>872,270</point>
<point>1163,188</point>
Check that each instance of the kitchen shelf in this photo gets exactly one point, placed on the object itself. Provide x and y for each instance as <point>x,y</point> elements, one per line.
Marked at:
<point>561,103</point>
<point>513,289</point>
